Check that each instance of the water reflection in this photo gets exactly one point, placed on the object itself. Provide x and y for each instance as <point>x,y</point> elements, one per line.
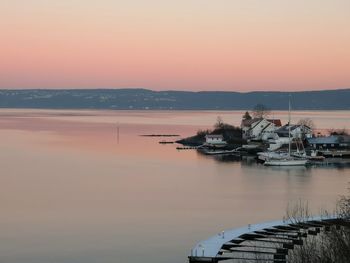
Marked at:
<point>69,192</point>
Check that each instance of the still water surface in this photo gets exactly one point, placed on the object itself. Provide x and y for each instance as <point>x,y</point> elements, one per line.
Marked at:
<point>70,192</point>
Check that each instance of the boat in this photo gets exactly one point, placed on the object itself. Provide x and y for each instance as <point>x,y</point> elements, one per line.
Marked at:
<point>277,143</point>
<point>292,161</point>
<point>263,156</point>
<point>224,152</point>
<point>282,154</point>
<point>289,159</point>
<point>315,157</point>
<point>335,153</point>
<point>252,148</point>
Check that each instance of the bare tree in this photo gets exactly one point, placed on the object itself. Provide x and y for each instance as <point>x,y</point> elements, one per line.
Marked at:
<point>260,111</point>
<point>307,122</point>
<point>298,212</point>
<point>329,246</point>
<point>338,132</point>
<point>203,133</point>
<point>246,116</point>
<point>219,123</point>
<point>343,207</point>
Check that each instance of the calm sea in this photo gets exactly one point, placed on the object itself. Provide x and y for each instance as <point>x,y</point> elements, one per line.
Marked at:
<point>73,191</point>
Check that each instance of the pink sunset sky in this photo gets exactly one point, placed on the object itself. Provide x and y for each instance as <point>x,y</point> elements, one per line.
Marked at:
<point>235,45</point>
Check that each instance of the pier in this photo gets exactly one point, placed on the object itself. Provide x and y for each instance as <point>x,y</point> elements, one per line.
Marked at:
<point>188,148</point>
<point>265,242</point>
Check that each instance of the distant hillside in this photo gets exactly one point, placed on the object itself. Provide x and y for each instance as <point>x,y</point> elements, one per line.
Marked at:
<point>139,99</point>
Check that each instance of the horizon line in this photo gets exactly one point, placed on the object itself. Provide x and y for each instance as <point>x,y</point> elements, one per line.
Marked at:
<point>174,90</point>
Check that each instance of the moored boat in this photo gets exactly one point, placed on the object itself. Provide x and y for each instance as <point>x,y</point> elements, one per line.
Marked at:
<point>335,153</point>
<point>223,152</point>
<point>289,160</point>
<point>286,162</point>
<point>263,156</point>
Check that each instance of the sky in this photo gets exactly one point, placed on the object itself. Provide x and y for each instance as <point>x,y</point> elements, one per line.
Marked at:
<point>233,45</point>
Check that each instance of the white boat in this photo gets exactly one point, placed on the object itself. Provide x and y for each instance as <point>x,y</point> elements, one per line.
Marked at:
<point>289,160</point>
<point>264,156</point>
<point>221,152</point>
<point>286,162</point>
<point>278,143</point>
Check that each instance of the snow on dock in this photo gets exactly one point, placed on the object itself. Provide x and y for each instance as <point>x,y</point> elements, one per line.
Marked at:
<point>222,245</point>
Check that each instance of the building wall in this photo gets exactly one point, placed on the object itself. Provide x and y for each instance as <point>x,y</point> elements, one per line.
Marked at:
<point>263,127</point>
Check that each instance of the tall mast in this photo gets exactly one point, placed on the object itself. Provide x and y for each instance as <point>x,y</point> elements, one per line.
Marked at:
<point>289,126</point>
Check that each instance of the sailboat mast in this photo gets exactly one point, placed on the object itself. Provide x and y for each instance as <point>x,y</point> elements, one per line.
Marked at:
<point>289,127</point>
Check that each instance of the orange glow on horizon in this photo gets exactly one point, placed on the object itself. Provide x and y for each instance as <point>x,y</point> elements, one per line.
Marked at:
<point>187,45</point>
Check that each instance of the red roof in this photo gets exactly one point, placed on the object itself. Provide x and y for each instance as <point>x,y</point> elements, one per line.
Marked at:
<point>277,122</point>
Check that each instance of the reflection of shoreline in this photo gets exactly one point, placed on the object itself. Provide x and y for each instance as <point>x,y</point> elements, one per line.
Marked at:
<point>322,119</point>
<point>228,158</point>
<point>329,163</point>
<point>72,185</point>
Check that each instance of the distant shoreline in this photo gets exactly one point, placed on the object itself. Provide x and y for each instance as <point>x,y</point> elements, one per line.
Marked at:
<point>142,99</point>
<point>168,110</point>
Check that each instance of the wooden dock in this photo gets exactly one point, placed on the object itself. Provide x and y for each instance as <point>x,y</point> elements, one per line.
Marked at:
<point>188,148</point>
<point>269,241</point>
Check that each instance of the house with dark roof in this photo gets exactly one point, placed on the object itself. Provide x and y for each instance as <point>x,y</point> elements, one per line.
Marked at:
<point>296,131</point>
<point>330,142</point>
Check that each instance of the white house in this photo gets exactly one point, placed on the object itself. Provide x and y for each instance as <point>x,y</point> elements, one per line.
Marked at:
<point>215,140</point>
<point>296,131</point>
<point>259,128</point>
<point>282,135</point>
